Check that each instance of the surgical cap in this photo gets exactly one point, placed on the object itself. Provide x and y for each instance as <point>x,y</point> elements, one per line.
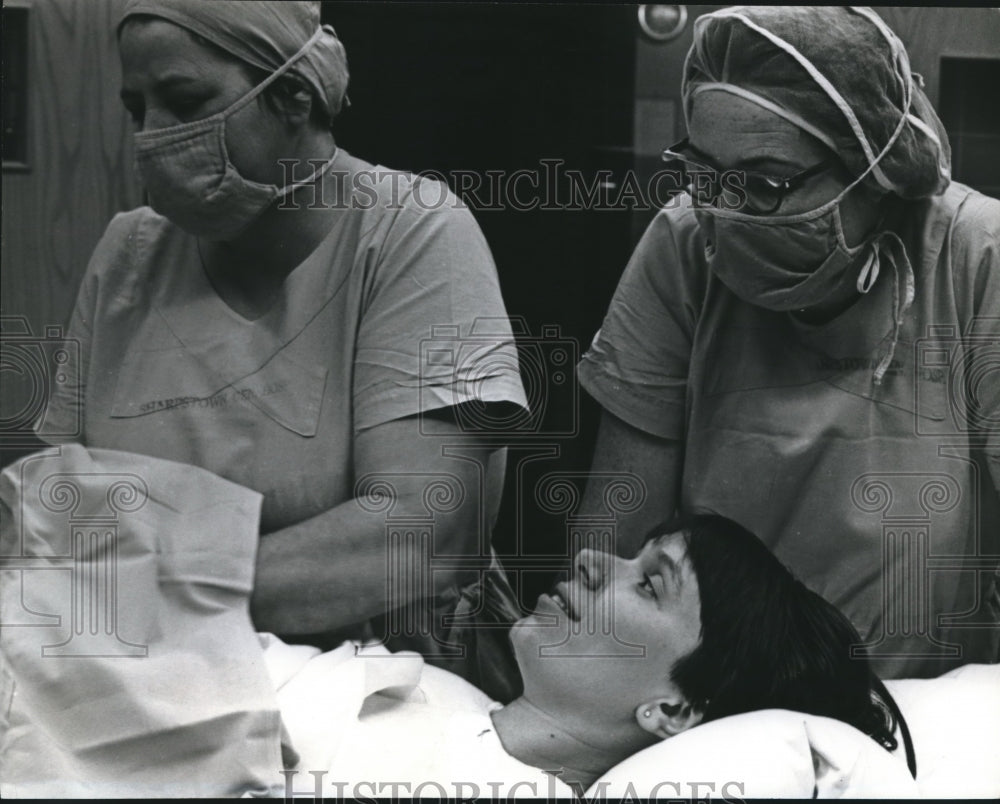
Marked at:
<point>264,34</point>
<point>839,73</point>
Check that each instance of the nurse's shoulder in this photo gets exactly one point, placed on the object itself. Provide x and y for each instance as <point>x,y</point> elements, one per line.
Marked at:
<point>411,223</point>
<point>976,227</point>
<point>971,257</point>
<point>669,259</point>
<point>127,240</point>
<point>395,197</point>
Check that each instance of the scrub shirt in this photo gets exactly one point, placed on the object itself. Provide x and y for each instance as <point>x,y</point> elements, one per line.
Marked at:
<point>168,369</point>
<point>883,499</point>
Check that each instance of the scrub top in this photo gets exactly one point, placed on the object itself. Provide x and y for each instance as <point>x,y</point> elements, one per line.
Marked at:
<point>168,369</point>
<point>882,498</point>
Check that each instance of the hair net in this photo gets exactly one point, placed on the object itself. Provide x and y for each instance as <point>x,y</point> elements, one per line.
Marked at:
<point>264,34</point>
<point>840,74</point>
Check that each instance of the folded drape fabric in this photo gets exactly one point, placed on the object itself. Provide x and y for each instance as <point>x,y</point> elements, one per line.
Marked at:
<point>130,665</point>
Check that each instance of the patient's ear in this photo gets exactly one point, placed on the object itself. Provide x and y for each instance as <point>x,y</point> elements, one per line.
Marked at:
<point>667,717</point>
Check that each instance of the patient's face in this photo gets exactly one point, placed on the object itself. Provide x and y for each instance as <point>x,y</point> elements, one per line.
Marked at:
<point>605,642</point>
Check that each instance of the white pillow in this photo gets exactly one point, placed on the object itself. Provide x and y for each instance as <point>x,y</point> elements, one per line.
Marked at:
<point>955,723</point>
<point>768,754</point>
<point>850,764</point>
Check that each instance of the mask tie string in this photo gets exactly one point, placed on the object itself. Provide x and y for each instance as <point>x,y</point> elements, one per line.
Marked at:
<point>869,272</point>
<point>902,289</point>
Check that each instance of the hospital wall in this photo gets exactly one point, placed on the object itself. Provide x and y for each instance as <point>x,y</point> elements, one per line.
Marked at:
<point>957,51</point>
<point>75,173</point>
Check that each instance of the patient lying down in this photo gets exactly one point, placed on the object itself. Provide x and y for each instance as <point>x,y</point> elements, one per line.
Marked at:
<point>173,695</point>
<point>703,623</point>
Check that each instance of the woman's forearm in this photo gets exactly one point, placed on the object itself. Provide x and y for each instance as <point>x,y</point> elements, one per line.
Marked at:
<point>339,569</point>
<point>354,561</point>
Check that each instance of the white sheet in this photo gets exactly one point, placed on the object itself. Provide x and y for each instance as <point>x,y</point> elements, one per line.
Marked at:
<point>773,754</point>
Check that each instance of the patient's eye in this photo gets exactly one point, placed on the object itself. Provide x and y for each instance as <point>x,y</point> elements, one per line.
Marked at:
<point>647,586</point>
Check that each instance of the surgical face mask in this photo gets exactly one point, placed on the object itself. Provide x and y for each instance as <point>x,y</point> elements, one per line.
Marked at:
<point>780,262</point>
<point>790,262</point>
<point>189,177</point>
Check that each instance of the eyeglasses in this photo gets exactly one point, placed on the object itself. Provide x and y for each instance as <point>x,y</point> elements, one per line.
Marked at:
<point>758,193</point>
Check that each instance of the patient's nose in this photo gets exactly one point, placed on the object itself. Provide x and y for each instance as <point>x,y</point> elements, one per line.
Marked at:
<point>592,566</point>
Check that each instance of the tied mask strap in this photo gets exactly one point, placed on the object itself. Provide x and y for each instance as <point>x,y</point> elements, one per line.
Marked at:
<point>869,273</point>
<point>902,288</point>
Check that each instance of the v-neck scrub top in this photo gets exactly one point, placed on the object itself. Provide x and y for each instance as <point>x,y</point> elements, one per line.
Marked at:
<point>168,369</point>
<point>883,499</point>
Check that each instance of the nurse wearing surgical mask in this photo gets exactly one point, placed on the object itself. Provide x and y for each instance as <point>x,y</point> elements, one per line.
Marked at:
<point>806,342</point>
<point>266,319</point>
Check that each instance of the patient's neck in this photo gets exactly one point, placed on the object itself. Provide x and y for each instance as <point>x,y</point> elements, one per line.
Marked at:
<point>577,752</point>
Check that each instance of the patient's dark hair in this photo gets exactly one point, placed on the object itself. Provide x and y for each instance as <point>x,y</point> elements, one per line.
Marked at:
<point>768,642</point>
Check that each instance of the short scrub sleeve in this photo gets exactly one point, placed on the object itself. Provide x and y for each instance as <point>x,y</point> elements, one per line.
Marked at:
<point>637,365</point>
<point>434,331</point>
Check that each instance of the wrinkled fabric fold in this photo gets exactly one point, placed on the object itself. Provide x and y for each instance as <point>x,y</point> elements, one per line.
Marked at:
<point>134,666</point>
